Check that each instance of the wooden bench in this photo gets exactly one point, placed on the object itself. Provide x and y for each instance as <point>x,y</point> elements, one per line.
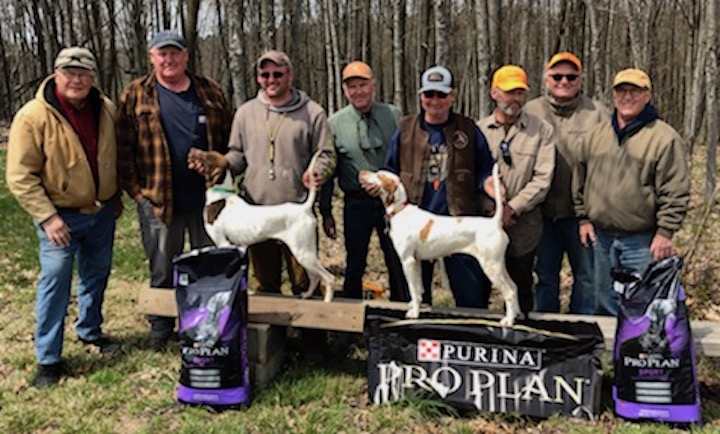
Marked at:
<point>348,315</point>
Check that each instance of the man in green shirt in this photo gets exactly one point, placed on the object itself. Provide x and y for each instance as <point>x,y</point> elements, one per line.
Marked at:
<point>361,132</point>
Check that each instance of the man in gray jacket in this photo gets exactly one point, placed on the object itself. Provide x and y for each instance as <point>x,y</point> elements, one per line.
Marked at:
<point>572,115</point>
<point>272,139</point>
<point>631,186</point>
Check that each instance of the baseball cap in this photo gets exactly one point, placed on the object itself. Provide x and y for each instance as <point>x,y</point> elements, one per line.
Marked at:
<point>168,38</point>
<point>510,77</point>
<point>77,57</point>
<point>275,56</point>
<point>357,69</point>
<point>636,77</point>
<point>437,78</point>
<point>565,56</point>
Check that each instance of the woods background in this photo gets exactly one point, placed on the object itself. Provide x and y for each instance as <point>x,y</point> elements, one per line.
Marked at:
<point>674,40</point>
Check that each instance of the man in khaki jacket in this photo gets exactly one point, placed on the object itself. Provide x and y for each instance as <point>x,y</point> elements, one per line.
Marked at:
<point>572,115</point>
<point>523,146</point>
<point>61,169</point>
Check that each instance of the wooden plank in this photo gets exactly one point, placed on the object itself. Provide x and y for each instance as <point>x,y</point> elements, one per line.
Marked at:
<point>348,315</point>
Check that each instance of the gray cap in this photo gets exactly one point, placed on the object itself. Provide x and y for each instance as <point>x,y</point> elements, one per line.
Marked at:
<point>167,38</point>
<point>437,78</point>
<point>275,56</point>
<point>75,57</point>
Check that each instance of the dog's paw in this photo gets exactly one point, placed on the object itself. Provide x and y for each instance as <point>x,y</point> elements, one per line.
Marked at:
<point>413,312</point>
<point>307,294</point>
<point>329,294</point>
<point>507,321</point>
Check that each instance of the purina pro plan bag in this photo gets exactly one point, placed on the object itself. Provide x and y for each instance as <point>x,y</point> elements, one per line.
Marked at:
<point>655,371</point>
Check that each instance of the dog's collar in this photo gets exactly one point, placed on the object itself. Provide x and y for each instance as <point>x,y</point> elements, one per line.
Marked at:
<point>218,189</point>
<point>397,209</point>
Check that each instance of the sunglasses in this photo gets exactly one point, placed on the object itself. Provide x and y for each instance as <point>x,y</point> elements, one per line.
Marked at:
<point>434,94</point>
<point>505,149</point>
<point>275,74</point>
<point>570,77</point>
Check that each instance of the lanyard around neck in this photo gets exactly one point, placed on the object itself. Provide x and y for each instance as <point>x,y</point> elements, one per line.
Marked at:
<point>272,134</point>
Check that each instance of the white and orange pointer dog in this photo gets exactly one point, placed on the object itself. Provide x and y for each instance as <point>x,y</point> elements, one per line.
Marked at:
<point>230,221</point>
<point>420,235</point>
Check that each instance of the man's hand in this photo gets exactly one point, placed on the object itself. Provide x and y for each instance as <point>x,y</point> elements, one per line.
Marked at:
<point>661,247</point>
<point>329,227</point>
<point>371,189</point>
<point>57,231</point>
<point>508,216</point>
<point>209,163</point>
<point>311,179</point>
<point>587,234</point>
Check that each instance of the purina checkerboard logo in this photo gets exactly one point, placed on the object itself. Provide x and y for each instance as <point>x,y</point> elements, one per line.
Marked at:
<point>428,350</point>
<point>469,353</point>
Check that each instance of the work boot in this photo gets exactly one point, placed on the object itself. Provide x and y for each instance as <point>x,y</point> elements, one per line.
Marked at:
<point>103,344</point>
<point>47,375</point>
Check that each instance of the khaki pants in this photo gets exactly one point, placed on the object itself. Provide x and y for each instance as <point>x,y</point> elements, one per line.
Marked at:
<point>266,259</point>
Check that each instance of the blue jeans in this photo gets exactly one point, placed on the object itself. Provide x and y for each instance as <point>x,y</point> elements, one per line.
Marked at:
<point>559,237</point>
<point>361,215</point>
<point>92,237</point>
<point>614,251</point>
<point>161,244</point>
<point>468,283</point>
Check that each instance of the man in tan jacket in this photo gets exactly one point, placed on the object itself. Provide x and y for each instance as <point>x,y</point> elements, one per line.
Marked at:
<point>572,115</point>
<point>61,169</point>
<point>523,146</point>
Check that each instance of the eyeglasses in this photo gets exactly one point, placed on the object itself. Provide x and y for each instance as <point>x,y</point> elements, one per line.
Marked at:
<point>275,74</point>
<point>82,76</point>
<point>505,149</point>
<point>559,77</point>
<point>434,94</point>
<point>632,91</point>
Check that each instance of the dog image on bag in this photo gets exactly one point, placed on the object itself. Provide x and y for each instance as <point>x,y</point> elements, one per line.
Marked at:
<point>421,235</point>
<point>231,221</point>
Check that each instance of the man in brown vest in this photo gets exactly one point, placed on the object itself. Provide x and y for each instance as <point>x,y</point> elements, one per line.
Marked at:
<point>443,159</point>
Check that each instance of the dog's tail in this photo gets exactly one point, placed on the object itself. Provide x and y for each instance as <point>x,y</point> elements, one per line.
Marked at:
<point>498,217</point>
<point>312,194</point>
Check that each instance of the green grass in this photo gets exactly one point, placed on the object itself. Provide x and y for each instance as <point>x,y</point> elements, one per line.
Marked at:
<point>135,391</point>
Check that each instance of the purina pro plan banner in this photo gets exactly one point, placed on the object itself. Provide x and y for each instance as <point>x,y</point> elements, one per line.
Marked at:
<point>538,368</point>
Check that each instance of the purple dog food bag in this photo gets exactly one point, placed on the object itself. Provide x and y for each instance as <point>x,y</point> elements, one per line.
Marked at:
<point>211,293</point>
<point>654,358</point>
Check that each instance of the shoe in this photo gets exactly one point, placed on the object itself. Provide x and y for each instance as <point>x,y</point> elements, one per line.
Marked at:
<point>158,343</point>
<point>103,344</point>
<point>47,375</point>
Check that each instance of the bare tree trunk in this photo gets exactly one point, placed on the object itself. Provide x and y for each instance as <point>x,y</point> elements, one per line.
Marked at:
<point>711,98</point>
<point>596,78</point>
<point>634,23</point>
<point>483,56</point>
<point>190,27</point>
<point>330,90</point>
<point>493,26</point>
<point>398,53</point>
<point>524,43</point>
<point>694,104</point>
<point>334,41</point>
<point>235,20</point>
<point>442,45</point>
<point>267,25</point>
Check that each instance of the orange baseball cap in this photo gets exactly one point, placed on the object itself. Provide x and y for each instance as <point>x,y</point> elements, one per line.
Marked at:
<point>565,56</point>
<point>636,77</point>
<point>357,69</point>
<point>510,77</point>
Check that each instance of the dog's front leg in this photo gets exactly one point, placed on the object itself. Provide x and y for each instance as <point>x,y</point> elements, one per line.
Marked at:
<point>411,268</point>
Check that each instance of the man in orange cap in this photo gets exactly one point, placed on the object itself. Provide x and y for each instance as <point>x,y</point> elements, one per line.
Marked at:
<point>631,186</point>
<point>524,147</point>
<point>572,115</point>
<point>361,132</point>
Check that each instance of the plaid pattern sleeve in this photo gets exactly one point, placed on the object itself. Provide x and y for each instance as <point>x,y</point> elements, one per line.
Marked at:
<point>143,159</point>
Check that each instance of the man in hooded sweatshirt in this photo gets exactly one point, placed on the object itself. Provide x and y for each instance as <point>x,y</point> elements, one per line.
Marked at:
<point>272,139</point>
<point>630,186</point>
